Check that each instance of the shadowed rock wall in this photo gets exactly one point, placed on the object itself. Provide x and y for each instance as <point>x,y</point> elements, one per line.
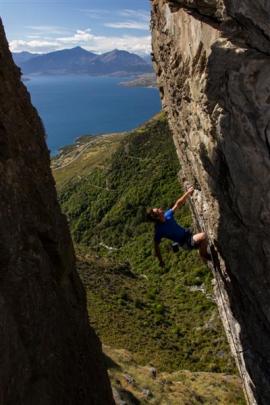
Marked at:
<point>212,60</point>
<point>48,353</point>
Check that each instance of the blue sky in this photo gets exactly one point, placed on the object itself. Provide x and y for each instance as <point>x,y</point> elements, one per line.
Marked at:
<point>97,25</point>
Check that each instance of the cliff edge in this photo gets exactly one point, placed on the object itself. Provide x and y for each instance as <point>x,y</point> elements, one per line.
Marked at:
<point>212,60</point>
<point>48,352</point>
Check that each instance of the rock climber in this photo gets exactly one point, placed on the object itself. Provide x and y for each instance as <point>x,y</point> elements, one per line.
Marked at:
<point>167,227</point>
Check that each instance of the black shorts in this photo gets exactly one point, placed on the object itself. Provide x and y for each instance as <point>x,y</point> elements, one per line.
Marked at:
<point>189,243</point>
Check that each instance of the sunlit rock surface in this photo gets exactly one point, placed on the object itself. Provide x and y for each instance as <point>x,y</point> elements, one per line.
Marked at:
<point>212,60</point>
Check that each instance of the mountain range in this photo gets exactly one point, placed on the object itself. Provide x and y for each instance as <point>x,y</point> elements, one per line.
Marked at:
<point>80,61</point>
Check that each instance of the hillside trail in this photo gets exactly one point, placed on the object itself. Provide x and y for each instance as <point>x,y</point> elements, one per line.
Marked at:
<point>75,157</point>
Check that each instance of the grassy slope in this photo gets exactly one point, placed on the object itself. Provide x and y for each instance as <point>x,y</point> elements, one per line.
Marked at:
<point>134,382</point>
<point>133,304</point>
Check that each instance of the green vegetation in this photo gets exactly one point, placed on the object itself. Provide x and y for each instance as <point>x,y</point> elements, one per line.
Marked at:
<point>160,315</point>
<point>133,381</point>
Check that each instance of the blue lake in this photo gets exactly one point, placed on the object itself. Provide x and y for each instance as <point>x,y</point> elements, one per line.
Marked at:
<point>71,106</point>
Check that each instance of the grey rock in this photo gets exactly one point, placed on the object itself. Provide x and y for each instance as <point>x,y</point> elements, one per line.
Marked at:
<point>147,393</point>
<point>48,352</point>
<point>213,74</point>
<point>153,372</point>
<point>124,397</point>
<point>129,379</point>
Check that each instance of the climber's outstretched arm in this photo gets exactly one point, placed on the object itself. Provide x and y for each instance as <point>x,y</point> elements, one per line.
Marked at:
<point>181,201</point>
<point>158,254</point>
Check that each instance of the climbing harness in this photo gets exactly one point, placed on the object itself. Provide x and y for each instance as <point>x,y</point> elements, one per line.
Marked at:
<point>202,227</point>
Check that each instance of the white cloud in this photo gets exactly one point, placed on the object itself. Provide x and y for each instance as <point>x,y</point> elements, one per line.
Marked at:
<point>130,25</point>
<point>81,36</point>
<point>97,13</point>
<point>36,46</point>
<point>86,39</point>
<point>137,14</point>
<point>34,37</point>
<point>47,29</point>
<point>140,45</point>
<point>131,19</point>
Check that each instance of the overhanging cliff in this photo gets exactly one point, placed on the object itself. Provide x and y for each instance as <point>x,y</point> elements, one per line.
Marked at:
<point>212,60</point>
<point>48,352</point>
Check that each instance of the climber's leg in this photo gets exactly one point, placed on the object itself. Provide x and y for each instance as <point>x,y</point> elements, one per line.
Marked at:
<point>201,241</point>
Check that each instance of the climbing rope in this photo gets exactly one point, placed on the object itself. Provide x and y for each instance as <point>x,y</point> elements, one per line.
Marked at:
<point>202,227</point>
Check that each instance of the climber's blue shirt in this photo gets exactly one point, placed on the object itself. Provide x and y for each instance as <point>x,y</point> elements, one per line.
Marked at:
<point>170,229</point>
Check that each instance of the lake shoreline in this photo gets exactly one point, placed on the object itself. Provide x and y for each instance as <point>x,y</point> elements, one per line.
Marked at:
<point>74,105</point>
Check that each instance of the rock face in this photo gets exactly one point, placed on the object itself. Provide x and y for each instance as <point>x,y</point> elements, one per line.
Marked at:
<point>212,60</point>
<point>48,353</point>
